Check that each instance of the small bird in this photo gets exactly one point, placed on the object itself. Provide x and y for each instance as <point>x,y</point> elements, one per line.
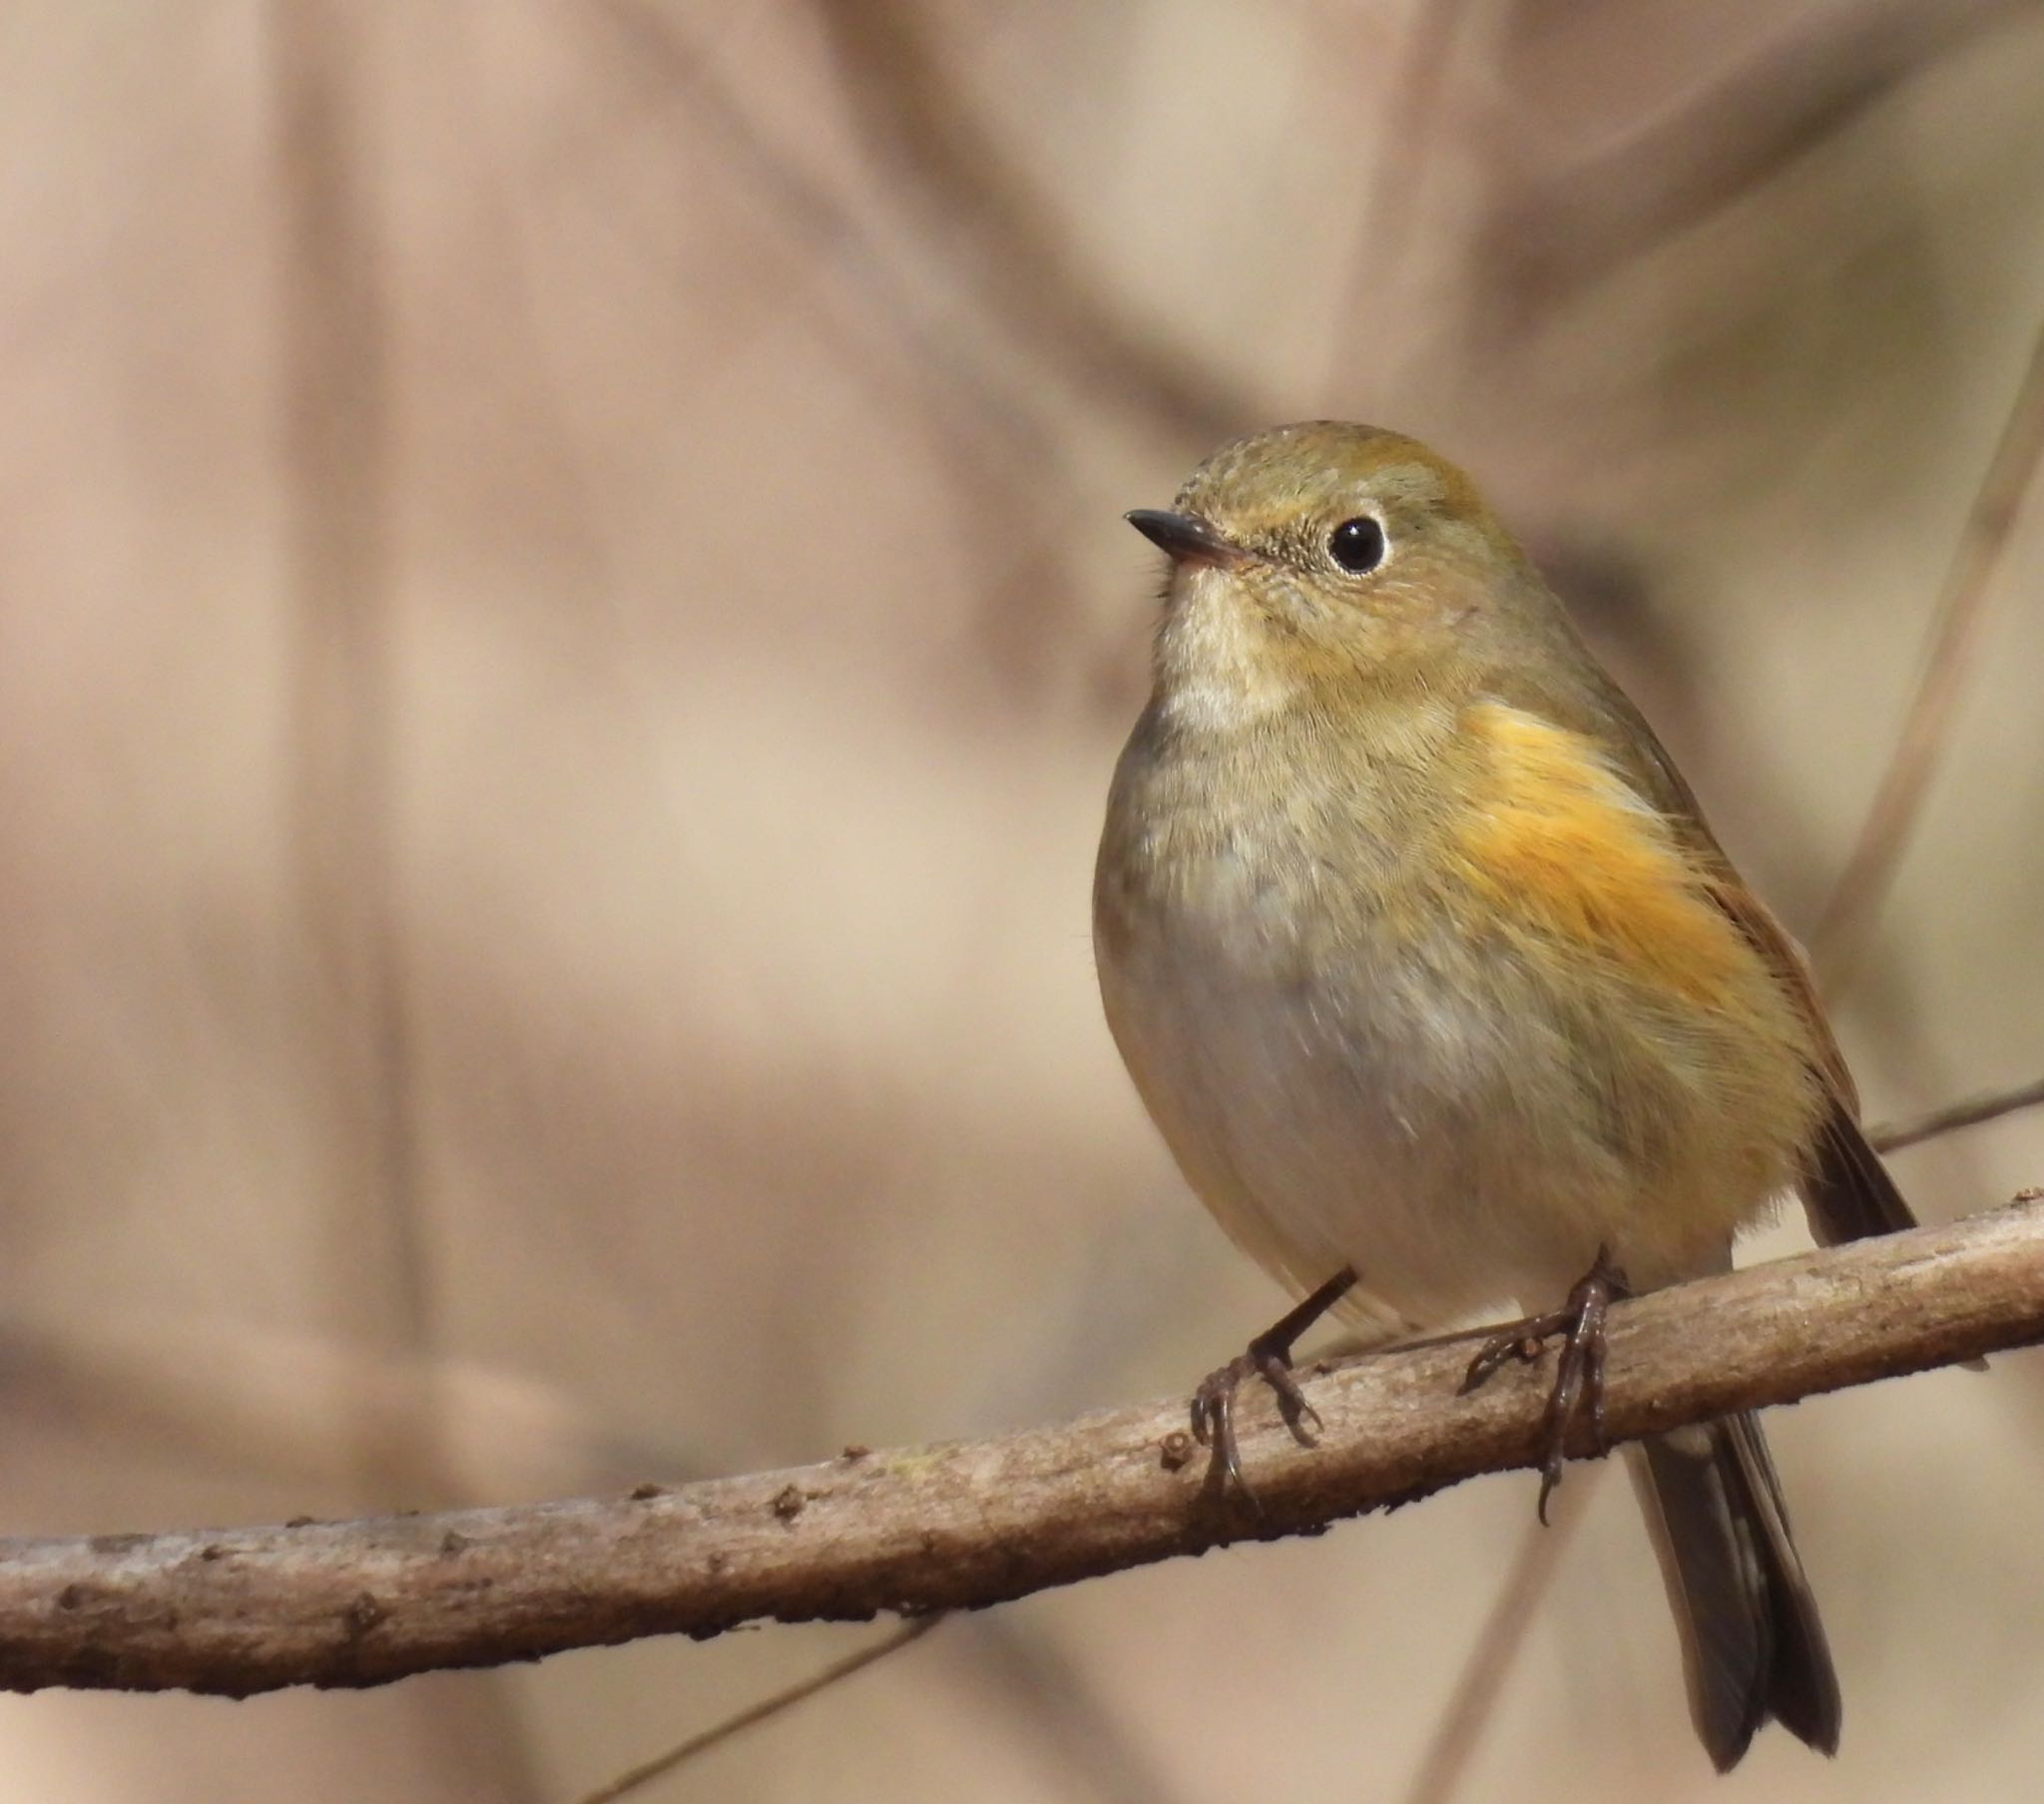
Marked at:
<point>1444,997</point>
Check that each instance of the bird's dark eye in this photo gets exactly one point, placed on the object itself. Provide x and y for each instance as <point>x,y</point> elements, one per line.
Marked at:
<point>1357,544</point>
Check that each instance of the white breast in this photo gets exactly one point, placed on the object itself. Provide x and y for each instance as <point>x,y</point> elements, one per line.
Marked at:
<point>1370,1120</point>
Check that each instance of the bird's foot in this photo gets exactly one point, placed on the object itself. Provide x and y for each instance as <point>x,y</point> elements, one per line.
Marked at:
<point>1578,1373</point>
<point>1267,1357</point>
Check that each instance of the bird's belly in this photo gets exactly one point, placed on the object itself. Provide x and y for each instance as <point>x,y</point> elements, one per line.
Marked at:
<point>1428,1119</point>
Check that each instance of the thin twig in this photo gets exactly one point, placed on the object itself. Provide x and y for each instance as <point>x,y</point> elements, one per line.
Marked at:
<point>1413,115</point>
<point>1496,1648</point>
<point>1841,934</point>
<point>1892,1136</point>
<point>1007,237</point>
<point>816,213</point>
<point>767,1707</point>
<point>1569,225</point>
<point>958,1526</point>
<point>989,427</point>
<point>357,1007</point>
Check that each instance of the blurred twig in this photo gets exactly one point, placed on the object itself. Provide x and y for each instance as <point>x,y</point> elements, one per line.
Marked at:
<point>1892,1136</point>
<point>358,1006</point>
<point>1089,1739</point>
<point>817,214</point>
<point>663,1764</point>
<point>1079,1722</point>
<point>1414,116</point>
<point>1566,227</point>
<point>931,1528</point>
<point>337,474</point>
<point>999,229</point>
<point>1841,934</point>
<point>992,437</point>
<point>261,1403</point>
<point>1496,1648</point>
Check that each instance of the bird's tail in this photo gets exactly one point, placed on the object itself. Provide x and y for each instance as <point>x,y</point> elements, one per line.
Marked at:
<point>1752,1645</point>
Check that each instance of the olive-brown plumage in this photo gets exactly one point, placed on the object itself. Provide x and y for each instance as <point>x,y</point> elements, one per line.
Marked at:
<point>1427,964</point>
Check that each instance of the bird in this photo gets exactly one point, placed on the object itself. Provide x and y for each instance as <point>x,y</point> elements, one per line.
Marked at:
<point>1444,995</point>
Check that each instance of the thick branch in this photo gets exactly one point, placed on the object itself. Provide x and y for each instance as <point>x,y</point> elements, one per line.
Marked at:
<point>970,1523</point>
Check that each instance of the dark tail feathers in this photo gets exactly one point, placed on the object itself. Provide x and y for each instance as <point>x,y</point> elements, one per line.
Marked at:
<point>1753,1648</point>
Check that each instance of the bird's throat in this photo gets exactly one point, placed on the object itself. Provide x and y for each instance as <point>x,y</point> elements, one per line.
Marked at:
<point>1220,662</point>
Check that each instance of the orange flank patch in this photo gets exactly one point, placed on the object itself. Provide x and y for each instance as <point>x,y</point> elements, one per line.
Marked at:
<point>1561,844</point>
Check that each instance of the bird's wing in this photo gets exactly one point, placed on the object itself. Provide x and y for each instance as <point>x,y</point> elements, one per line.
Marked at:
<point>1847,1192</point>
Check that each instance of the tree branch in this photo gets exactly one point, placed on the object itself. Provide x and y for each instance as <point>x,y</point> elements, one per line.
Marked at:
<point>970,1523</point>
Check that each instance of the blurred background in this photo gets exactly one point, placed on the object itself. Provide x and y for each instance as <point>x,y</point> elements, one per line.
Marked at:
<point>565,623</point>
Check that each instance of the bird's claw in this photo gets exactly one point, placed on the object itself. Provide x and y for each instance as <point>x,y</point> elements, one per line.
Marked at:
<point>1267,1357</point>
<point>1213,1407</point>
<point>1577,1391</point>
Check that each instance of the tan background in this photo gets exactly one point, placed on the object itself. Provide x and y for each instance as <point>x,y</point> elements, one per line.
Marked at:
<point>565,623</point>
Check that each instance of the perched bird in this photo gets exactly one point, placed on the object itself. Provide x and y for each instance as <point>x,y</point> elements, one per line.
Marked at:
<point>1443,995</point>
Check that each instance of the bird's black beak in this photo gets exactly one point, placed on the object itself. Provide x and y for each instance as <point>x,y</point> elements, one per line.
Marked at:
<point>1183,537</point>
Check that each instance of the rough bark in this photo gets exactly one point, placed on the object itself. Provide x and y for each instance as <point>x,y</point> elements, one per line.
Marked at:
<point>967,1524</point>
